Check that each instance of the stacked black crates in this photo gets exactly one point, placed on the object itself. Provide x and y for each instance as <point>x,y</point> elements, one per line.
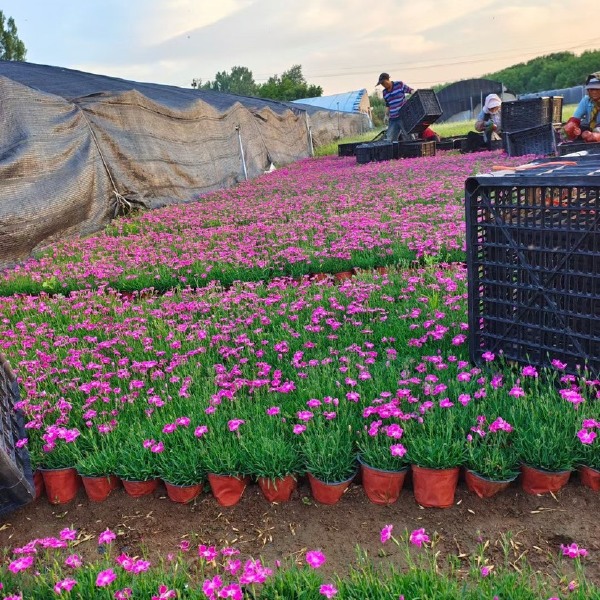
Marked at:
<point>16,479</point>
<point>374,152</point>
<point>419,112</point>
<point>533,259</point>
<point>527,125</point>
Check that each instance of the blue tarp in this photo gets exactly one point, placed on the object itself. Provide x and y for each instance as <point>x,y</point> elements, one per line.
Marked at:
<point>346,102</point>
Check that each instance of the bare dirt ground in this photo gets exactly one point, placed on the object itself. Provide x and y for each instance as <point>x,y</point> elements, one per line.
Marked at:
<point>156,526</point>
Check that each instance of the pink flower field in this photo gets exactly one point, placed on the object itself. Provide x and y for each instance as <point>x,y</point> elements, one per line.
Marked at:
<point>212,339</point>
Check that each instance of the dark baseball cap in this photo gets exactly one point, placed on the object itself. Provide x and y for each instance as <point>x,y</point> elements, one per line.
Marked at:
<point>383,77</point>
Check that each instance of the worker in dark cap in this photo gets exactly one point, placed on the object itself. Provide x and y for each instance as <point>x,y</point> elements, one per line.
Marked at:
<point>394,96</point>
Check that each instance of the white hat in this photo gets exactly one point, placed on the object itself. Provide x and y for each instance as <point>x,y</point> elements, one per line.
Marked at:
<point>492,101</point>
<point>593,83</point>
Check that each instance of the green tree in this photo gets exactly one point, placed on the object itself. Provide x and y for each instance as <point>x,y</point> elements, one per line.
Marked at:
<point>11,47</point>
<point>290,86</point>
<point>239,81</point>
<point>377,109</point>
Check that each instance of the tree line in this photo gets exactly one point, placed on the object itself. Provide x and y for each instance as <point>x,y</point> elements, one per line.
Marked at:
<point>291,85</point>
<point>550,72</point>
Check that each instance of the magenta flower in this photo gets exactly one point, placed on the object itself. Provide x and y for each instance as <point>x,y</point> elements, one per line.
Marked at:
<point>68,534</point>
<point>315,558</point>
<point>200,430</point>
<point>105,578</point>
<point>397,450</point>
<point>211,586</point>
<point>274,410</point>
<point>418,537</point>
<point>234,424</point>
<point>386,533</point>
<point>123,594</point>
<point>64,585</point>
<point>328,590</point>
<point>21,564</point>
<point>516,392</point>
<point>164,593</point>
<point>485,571</point>
<point>233,590</point>
<point>208,553</point>
<point>184,545</point>
<point>573,550</point>
<point>586,437</point>
<point>106,537</point>
<point>74,561</point>
<point>529,371</point>
<point>298,429</point>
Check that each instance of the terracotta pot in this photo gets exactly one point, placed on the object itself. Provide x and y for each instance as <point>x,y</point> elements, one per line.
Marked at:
<point>61,484</point>
<point>343,275</point>
<point>540,481</point>
<point>182,493</point>
<point>38,482</point>
<point>434,488</point>
<point>484,487</point>
<point>137,489</point>
<point>97,488</point>
<point>382,487</point>
<point>590,478</point>
<point>227,489</point>
<point>278,490</point>
<point>115,482</point>
<point>328,493</point>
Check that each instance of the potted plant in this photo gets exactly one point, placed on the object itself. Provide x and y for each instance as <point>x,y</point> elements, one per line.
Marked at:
<point>491,458</point>
<point>436,450</point>
<point>181,466</point>
<point>57,465</point>
<point>589,453</point>
<point>225,466</point>
<point>137,466</point>
<point>546,442</point>
<point>272,456</point>
<point>97,470</point>
<point>383,462</point>
<point>329,459</point>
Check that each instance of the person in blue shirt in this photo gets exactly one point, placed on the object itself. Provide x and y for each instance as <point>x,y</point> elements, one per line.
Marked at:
<point>394,96</point>
<point>585,122</point>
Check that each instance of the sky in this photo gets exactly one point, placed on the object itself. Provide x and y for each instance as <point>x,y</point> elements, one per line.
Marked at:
<point>342,45</point>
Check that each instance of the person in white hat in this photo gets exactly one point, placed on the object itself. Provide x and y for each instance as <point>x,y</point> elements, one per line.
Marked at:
<point>489,119</point>
<point>585,122</point>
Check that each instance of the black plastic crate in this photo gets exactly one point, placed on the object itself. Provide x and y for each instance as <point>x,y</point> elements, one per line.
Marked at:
<point>524,114</point>
<point>419,111</point>
<point>534,140</point>
<point>451,143</point>
<point>415,149</point>
<point>348,149</point>
<point>16,478</point>
<point>557,106</point>
<point>374,152</point>
<point>569,147</point>
<point>533,261</point>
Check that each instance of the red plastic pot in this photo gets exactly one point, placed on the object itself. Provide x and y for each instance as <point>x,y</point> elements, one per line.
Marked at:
<point>38,482</point>
<point>540,481</point>
<point>182,493</point>
<point>115,482</point>
<point>590,478</point>
<point>328,493</point>
<point>278,490</point>
<point>97,488</point>
<point>61,485</point>
<point>434,488</point>
<point>382,487</point>
<point>484,487</point>
<point>227,489</point>
<point>137,489</point>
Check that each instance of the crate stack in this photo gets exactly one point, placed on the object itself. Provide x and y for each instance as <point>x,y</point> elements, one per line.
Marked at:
<point>528,125</point>
<point>16,479</point>
<point>533,261</point>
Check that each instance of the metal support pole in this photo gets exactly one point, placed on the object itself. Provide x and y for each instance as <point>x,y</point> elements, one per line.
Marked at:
<point>237,128</point>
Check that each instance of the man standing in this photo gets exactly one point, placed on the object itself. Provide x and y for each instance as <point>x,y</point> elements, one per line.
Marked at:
<point>394,96</point>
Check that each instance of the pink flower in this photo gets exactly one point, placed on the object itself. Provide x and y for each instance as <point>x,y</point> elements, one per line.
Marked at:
<point>485,571</point>
<point>68,534</point>
<point>65,585</point>
<point>211,586</point>
<point>397,450</point>
<point>386,533</point>
<point>529,371</point>
<point>157,448</point>
<point>200,430</point>
<point>298,429</point>
<point>105,578</point>
<point>315,559</point>
<point>208,553</point>
<point>573,550</point>
<point>328,590</point>
<point>106,537</point>
<point>123,594</point>
<point>21,564</point>
<point>234,424</point>
<point>418,537</point>
<point>516,392</point>
<point>164,593</point>
<point>488,356</point>
<point>586,437</point>
<point>232,590</point>
<point>274,410</point>
<point>74,561</point>
<point>184,545</point>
